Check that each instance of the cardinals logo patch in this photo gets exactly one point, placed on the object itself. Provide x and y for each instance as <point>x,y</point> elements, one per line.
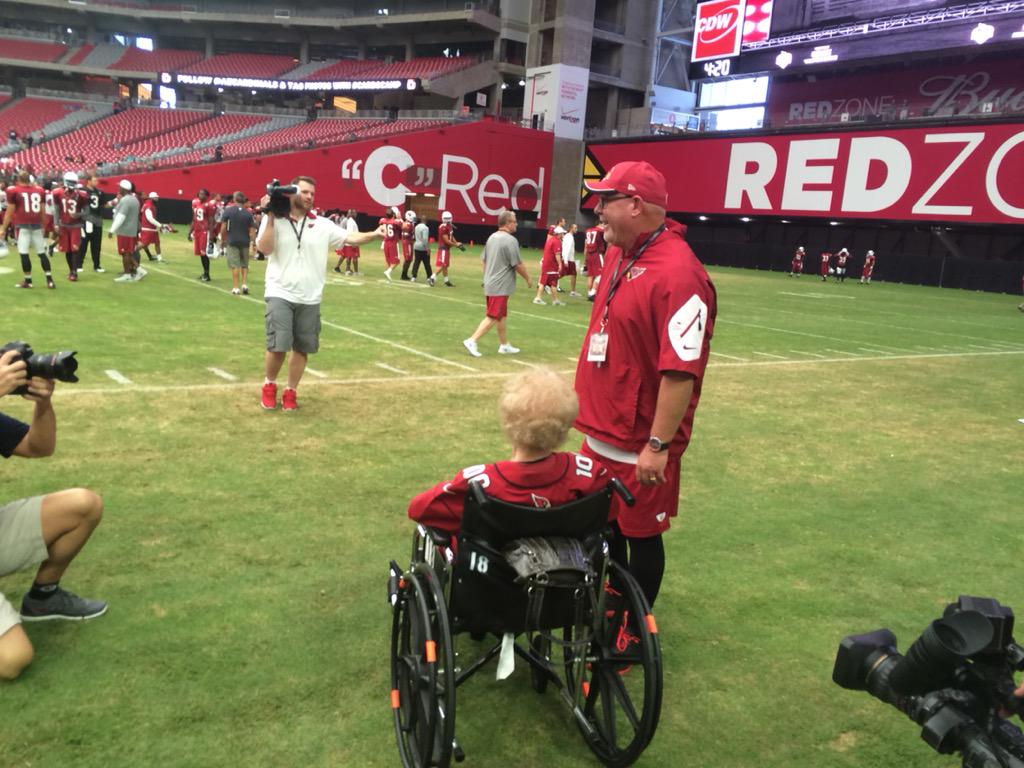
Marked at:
<point>635,272</point>
<point>540,502</point>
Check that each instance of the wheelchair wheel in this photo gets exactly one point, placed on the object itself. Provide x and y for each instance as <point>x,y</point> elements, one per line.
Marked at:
<point>617,678</point>
<point>422,671</point>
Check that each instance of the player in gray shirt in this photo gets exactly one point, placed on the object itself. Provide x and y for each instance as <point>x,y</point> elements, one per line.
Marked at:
<point>501,264</point>
<point>126,227</point>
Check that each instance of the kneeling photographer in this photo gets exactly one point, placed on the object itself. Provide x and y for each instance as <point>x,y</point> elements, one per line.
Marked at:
<point>51,529</point>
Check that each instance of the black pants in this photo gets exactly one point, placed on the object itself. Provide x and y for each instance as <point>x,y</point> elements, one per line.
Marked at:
<point>421,257</point>
<point>93,242</point>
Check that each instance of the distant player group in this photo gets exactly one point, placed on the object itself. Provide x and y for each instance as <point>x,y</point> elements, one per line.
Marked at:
<point>559,261</point>
<point>838,270</point>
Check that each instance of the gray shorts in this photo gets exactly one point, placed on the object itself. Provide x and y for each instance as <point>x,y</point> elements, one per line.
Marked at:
<point>238,256</point>
<point>292,326</point>
<point>21,546</point>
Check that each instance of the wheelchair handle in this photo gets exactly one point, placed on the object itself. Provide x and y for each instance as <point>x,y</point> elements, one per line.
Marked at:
<point>623,492</point>
<point>477,492</point>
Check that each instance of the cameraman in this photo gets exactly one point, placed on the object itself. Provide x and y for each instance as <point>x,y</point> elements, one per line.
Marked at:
<point>48,529</point>
<point>298,246</point>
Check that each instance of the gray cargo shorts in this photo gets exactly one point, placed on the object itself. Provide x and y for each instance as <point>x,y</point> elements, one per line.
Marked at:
<point>292,326</point>
<point>21,546</point>
<point>238,256</point>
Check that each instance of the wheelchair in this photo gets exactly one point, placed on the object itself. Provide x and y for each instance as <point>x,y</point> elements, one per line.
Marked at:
<point>566,623</point>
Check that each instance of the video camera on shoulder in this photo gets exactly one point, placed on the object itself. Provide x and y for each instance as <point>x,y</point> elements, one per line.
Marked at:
<point>956,680</point>
<point>280,198</point>
<point>51,365</point>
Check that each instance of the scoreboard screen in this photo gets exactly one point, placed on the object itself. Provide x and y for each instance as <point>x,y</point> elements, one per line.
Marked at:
<point>804,35</point>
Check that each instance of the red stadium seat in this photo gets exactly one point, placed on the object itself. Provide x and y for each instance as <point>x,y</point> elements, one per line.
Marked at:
<point>163,60</point>
<point>30,50</point>
<point>254,65</point>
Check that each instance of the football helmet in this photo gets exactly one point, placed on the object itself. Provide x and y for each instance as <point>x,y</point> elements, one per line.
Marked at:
<point>446,217</point>
<point>410,216</point>
<point>70,179</point>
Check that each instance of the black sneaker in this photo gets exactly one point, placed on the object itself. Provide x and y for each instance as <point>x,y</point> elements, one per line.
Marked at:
<point>61,605</point>
<point>50,284</point>
<point>204,278</point>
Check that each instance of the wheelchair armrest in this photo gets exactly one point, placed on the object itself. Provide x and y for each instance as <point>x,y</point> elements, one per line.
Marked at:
<point>439,537</point>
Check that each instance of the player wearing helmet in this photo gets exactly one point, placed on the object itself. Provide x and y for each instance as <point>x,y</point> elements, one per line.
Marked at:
<point>869,267</point>
<point>407,237</point>
<point>445,242</point>
<point>796,267</point>
<point>392,223</point>
<point>70,202</point>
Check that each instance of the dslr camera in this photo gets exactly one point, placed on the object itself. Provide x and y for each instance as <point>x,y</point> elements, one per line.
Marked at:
<point>280,198</point>
<point>52,365</point>
<point>956,681</point>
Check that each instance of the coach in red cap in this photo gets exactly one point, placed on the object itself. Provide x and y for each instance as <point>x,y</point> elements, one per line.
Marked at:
<point>642,364</point>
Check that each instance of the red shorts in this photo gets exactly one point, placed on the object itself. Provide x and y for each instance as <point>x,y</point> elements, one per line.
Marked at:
<point>549,278</point>
<point>594,265</point>
<point>497,307</point>
<point>199,241</point>
<point>444,257</point>
<point>70,239</point>
<point>149,237</point>
<point>391,253</point>
<point>796,266</point>
<point>655,505</point>
<point>47,226</point>
<point>568,268</point>
<point>350,251</point>
<point>126,246</point>
<point>407,250</point>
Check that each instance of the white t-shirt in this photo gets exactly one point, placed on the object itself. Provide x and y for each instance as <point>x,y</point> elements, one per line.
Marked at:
<point>568,247</point>
<point>298,273</point>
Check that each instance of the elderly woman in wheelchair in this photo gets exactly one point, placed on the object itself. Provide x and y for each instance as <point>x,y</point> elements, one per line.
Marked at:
<point>518,550</point>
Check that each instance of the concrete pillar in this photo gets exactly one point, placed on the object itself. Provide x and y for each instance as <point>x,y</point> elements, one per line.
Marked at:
<point>90,33</point>
<point>209,44</point>
<point>362,50</point>
<point>410,50</point>
<point>304,51</point>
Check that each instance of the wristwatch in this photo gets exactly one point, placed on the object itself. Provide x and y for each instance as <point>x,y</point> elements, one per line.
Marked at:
<point>655,444</point>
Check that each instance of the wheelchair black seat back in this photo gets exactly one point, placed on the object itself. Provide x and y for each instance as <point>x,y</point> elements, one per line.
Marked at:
<point>598,645</point>
<point>486,595</point>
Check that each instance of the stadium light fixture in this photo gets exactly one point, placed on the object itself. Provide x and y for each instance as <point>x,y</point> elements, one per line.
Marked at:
<point>745,219</point>
<point>220,90</point>
<point>504,86</point>
<point>785,221</point>
<point>784,59</point>
<point>522,83</point>
<point>983,33</point>
<point>702,217</point>
<point>76,2</point>
<point>833,223</point>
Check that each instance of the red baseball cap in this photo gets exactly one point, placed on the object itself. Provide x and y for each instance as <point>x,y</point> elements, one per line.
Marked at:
<point>638,178</point>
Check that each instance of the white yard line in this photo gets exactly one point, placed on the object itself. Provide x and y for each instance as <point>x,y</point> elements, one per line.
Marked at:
<point>812,354</point>
<point>222,374</point>
<point>523,363</point>
<point>314,372</point>
<point>255,384</point>
<point>876,351</point>
<point>390,368</point>
<point>841,352</point>
<point>769,354</point>
<point>328,323</point>
<point>123,380</point>
<point>815,295</point>
<point>730,357</point>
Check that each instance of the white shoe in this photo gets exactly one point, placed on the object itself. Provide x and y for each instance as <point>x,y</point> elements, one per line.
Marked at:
<point>574,293</point>
<point>124,277</point>
<point>99,270</point>
<point>348,271</point>
<point>387,274</point>
<point>540,301</point>
<point>431,281</point>
<point>235,292</point>
<point>508,349</point>
<point>471,347</point>
<point>139,274</point>
<point>141,271</point>
<point>412,279</point>
<point>557,303</point>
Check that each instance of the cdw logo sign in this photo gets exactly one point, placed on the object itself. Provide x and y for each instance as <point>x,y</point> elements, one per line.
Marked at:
<point>719,28</point>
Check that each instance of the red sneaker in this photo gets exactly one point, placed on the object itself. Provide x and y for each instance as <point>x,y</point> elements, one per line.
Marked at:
<point>289,400</point>
<point>269,400</point>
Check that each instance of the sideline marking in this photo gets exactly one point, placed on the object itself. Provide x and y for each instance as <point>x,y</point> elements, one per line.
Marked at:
<point>840,352</point>
<point>393,370</point>
<point>875,351</point>
<point>816,295</point>
<point>729,357</point>
<point>118,377</point>
<point>769,354</point>
<point>73,392</point>
<point>222,374</point>
<point>352,331</point>
<point>520,362</point>
<point>314,372</point>
<point>812,354</point>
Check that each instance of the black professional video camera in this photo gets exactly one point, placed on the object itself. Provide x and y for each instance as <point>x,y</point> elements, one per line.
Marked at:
<point>280,198</point>
<point>55,365</point>
<point>956,681</point>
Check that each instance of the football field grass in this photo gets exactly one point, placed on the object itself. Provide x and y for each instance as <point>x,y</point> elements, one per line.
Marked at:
<point>856,463</point>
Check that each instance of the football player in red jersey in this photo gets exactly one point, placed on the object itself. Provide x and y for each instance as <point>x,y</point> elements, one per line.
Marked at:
<point>407,229</point>
<point>445,242</point>
<point>841,259</point>
<point>796,267</point>
<point>537,409</point>
<point>826,257</point>
<point>49,228</point>
<point>203,213</point>
<point>550,267</point>
<point>69,202</point>
<point>25,209</point>
<point>215,250</point>
<point>869,267</point>
<point>593,248</point>
<point>392,223</point>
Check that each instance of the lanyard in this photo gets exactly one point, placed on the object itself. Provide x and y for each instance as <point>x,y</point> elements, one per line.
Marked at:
<point>617,277</point>
<point>298,231</point>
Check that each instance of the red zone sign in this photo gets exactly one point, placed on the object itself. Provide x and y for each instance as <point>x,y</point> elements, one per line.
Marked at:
<point>718,29</point>
<point>474,170</point>
<point>970,173</point>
